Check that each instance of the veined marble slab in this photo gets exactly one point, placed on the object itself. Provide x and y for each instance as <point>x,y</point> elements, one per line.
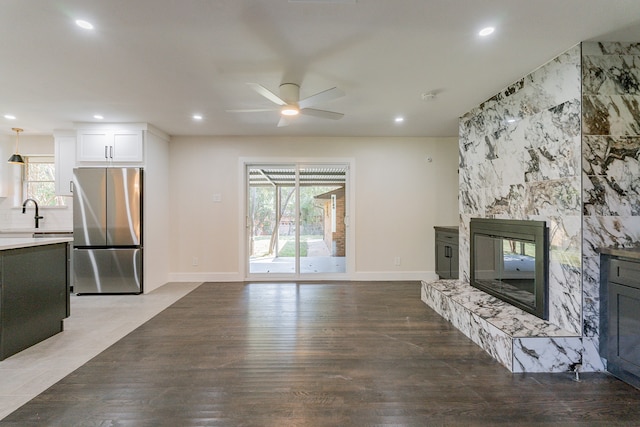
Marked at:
<point>518,340</point>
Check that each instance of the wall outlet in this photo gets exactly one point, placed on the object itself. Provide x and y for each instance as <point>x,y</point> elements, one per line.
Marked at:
<point>194,261</point>
<point>217,197</point>
<point>396,261</point>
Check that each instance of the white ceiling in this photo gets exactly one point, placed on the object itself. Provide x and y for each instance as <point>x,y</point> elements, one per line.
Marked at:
<point>161,61</point>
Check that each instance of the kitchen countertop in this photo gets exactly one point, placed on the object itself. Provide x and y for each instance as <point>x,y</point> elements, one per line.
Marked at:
<point>33,230</point>
<point>631,253</point>
<point>25,242</point>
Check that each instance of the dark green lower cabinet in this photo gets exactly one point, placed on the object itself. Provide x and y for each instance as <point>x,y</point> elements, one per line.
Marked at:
<point>447,252</point>
<point>34,295</point>
<point>620,336</point>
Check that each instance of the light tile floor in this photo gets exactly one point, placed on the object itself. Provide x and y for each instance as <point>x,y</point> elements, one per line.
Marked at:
<point>95,323</point>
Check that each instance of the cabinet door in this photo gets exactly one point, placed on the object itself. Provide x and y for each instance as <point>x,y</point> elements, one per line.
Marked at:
<point>65,161</point>
<point>624,329</point>
<point>109,146</point>
<point>455,263</point>
<point>443,262</point>
<point>93,145</point>
<point>127,146</point>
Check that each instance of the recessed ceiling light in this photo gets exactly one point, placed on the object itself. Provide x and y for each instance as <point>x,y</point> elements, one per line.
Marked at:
<point>399,119</point>
<point>197,117</point>
<point>98,116</point>
<point>84,24</point>
<point>486,31</point>
<point>9,117</point>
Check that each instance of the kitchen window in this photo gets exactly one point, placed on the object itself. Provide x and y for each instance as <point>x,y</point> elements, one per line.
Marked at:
<point>39,181</point>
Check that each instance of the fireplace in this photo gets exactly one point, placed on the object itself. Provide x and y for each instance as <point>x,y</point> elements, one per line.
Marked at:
<point>509,260</point>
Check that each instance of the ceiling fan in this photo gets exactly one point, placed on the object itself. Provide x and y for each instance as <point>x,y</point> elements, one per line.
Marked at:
<point>291,105</point>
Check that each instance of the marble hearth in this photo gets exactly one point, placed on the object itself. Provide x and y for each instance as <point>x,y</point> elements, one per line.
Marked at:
<point>520,341</point>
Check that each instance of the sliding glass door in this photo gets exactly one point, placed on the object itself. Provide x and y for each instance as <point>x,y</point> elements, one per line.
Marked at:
<point>296,218</point>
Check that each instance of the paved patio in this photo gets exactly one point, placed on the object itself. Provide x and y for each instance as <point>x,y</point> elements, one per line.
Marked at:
<point>318,260</point>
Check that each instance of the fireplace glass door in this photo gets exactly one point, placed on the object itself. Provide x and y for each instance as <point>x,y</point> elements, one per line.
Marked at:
<point>509,261</point>
<point>507,266</point>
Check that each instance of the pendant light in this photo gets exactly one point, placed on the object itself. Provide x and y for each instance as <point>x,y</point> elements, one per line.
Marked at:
<point>16,158</point>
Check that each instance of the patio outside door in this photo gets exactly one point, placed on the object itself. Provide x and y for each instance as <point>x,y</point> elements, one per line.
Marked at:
<point>296,218</point>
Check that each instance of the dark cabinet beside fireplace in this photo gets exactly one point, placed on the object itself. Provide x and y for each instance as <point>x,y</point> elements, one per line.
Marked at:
<point>447,252</point>
<point>621,321</point>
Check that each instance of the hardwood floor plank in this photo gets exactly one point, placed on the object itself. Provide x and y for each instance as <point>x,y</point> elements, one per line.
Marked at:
<point>314,354</point>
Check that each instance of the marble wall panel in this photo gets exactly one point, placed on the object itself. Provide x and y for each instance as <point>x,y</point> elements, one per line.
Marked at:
<point>506,202</point>
<point>553,143</point>
<point>469,200</point>
<point>504,171</point>
<point>591,298</point>
<point>464,249</point>
<point>611,115</point>
<point>610,48</point>
<point>611,175</point>
<point>591,360</point>
<point>555,197</point>
<point>611,74</point>
<point>472,144</point>
<point>609,231</point>
<point>565,242</point>
<point>554,83</point>
<point>565,296</point>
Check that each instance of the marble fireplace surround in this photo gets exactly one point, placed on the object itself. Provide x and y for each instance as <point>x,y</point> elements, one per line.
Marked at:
<point>560,145</point>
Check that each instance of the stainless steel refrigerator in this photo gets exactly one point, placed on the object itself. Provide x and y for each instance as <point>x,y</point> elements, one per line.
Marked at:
<point>107,230</point>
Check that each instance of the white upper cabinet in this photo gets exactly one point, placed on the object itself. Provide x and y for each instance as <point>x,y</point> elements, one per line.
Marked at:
<point>127,146</point>
<point>110,146</point>
<point>65,161</point>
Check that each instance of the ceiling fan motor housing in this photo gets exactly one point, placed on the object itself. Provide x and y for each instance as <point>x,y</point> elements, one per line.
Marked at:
<point>290,92</point>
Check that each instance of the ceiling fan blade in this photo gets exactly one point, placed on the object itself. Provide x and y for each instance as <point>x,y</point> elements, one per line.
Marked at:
<point>321,97</point>
<point>251,110</point>
<point>283,122</point>
<point>267,93</point>
<point>321,113</point>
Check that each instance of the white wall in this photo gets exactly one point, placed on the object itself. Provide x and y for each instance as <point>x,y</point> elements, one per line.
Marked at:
<point>10,176</point>
<point>156,210</point>
<point>399,197</point>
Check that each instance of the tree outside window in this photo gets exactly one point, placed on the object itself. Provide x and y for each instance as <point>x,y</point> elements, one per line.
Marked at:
<point>39,181</point>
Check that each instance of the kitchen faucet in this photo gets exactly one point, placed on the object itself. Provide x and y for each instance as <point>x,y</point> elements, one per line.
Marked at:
<point>36,217</point>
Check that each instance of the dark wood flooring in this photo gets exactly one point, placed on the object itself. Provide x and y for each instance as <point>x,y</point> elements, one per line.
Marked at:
<point>315,354</point>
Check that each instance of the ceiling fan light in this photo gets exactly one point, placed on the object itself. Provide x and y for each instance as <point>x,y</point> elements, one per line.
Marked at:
<point>290,110</point>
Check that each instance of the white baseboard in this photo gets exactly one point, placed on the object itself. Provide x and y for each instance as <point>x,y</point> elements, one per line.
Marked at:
<point>206,277</point>
<point>358,276</point>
